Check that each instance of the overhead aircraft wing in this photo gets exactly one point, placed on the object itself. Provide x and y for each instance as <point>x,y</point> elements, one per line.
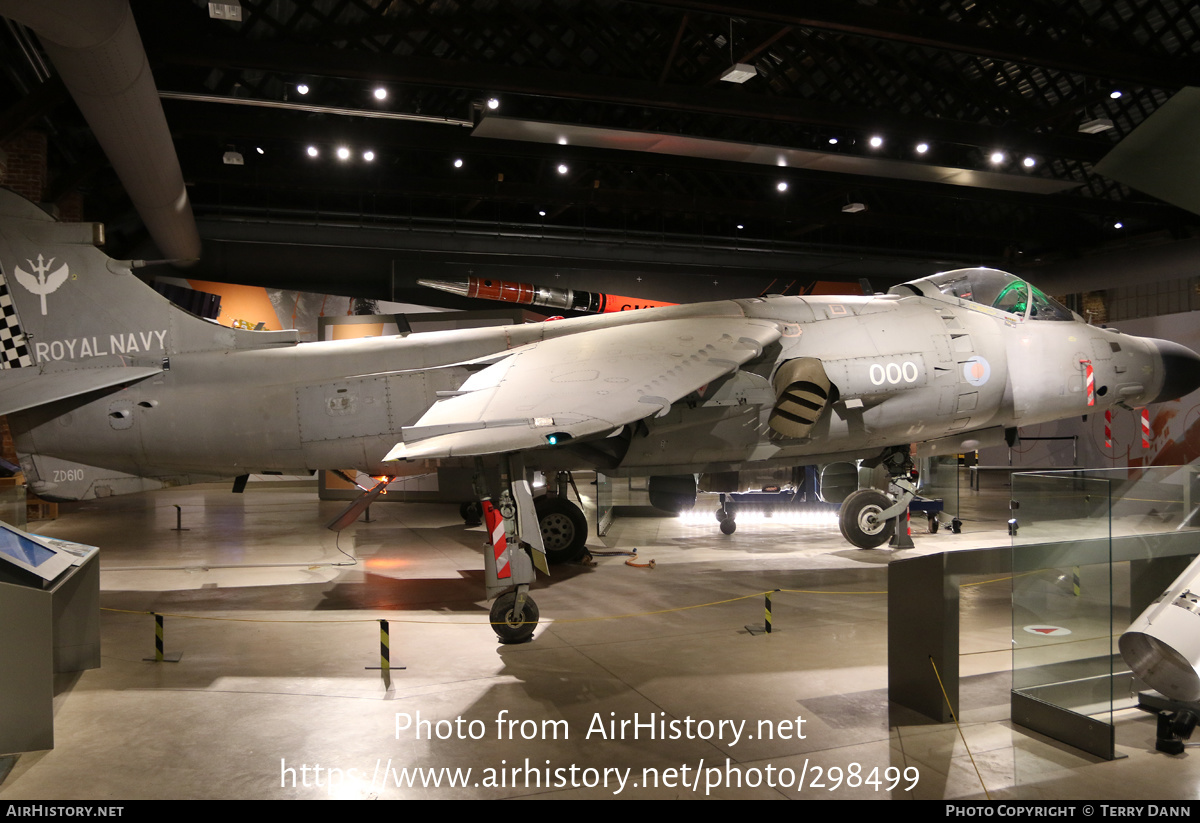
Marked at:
<point>583,384</point>
<point>26,388</point>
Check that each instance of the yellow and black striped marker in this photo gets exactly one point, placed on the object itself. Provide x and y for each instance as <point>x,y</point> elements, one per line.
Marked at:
<point>159,656</point>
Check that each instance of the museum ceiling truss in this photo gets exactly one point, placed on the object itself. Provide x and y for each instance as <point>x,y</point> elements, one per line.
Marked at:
<point>951,131</point>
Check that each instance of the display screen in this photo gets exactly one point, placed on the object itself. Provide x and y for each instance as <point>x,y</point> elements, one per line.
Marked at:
<point>22,549</point>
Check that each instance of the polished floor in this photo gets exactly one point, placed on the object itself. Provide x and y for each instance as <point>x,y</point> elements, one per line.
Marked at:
<point>276,620</point>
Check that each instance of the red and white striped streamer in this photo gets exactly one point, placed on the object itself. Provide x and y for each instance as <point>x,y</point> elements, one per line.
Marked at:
<point>495,527</point>
<point>1108,428</point>
<point>1145,428</point>
<point>1091,382</point>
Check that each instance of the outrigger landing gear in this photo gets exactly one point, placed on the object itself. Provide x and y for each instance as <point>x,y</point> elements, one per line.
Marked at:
<point>869,518</point>
<point>515,549</point>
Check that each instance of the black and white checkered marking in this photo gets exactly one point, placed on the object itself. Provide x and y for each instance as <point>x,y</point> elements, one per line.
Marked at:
<point>14,350</point>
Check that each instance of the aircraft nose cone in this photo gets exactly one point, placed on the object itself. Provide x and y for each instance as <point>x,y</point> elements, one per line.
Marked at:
<point>1181,370</point>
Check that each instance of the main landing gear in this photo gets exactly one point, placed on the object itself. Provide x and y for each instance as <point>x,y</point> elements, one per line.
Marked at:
<point>726,514</point>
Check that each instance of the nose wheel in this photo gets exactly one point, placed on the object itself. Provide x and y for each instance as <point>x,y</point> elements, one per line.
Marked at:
<point>861,519</point>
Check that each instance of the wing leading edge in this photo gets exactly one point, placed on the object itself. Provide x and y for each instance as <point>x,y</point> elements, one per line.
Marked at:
<point>583,385</point>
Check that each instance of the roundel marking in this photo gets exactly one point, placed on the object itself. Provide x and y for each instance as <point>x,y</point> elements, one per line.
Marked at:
<point>976,370</point>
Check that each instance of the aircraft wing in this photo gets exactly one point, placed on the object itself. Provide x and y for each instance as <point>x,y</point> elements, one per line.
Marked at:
<point>583,384</point>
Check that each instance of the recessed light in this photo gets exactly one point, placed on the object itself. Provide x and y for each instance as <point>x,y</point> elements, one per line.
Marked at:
<point>368,155</point>
<point>876,142</point>
<point>259,150</point>
<point>922,148</point>
<point>996,157</point>
<point>381,93</point>
<point>493,103</point>
<point>312,151</point>
<point>1118,225</point>
<point>1029,162</point>
<point>833,141</point>
<point>343,153</point>
<point>781,185</point>
<point>1115,94</point>
<point>740,226</point>
<point>562,168</point>
<point>302,88</point>
<point>458,162</point>
<point>541,213</point>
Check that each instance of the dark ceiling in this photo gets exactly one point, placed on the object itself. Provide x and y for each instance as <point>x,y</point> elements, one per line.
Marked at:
<point>966,78</point>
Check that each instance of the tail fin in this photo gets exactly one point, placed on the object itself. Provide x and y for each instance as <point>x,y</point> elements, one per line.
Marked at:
<point>66,305</point>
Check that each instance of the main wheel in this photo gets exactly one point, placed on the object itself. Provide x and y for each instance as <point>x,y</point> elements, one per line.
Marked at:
<point>860,522</point>
<point>505,624</point>
<point>471,512</point>
<point>564,529</point>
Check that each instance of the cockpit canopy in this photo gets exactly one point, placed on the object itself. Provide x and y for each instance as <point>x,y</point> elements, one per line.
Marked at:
<point>992,288</point>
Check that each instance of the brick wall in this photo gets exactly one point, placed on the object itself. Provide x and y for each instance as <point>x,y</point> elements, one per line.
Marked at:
<point>25,169</point>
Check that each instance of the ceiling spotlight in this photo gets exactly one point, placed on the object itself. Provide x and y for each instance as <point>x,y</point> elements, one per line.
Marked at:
<point>781,186</point>
<point>312,151</point>
<point>876,142</point>
<point>562,168</point>
<point>493,103</point>
<point>259,150</point>
<point>369,155</point>
<point>1118,225</point>
<point>740,226</point>
<point>1115,94</point>
<point>996,157</point>
<point>833,141</point>
<point>1029,162</point>
<point>458,162</point>
<point>542,213</point>
<point>343,153</point>
<point>381,93</point>
<point>922,148</point>
<point>302,88</point>
<point>562,141</point>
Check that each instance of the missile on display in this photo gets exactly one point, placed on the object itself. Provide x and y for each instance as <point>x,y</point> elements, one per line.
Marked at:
<point>527,294</point>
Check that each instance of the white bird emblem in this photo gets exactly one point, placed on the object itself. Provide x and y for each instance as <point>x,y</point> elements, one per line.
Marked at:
<point>42,284</point>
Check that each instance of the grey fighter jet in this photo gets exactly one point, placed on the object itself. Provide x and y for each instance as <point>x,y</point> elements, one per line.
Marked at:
<point>109,389</point>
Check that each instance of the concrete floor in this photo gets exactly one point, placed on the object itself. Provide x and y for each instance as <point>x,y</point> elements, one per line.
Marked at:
<point>272,697</point>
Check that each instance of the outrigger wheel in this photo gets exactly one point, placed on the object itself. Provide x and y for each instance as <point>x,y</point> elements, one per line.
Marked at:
<point>860,522</point>
<point>564,529</point>
<point>504,622</point>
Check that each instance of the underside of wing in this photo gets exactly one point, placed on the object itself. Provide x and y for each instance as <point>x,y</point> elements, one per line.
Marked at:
<point>583,385</point>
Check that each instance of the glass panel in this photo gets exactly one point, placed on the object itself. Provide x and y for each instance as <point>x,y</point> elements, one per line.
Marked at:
<point>1062,594</point>
<point>604,504</point>
<point>939,481</point>
<point>1091,549</point>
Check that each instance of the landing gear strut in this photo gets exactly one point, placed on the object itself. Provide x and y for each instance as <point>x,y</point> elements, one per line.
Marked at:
<point>516,549</point>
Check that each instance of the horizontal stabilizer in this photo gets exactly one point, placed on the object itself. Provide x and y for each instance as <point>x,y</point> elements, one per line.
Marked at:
<point>26,389</point>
